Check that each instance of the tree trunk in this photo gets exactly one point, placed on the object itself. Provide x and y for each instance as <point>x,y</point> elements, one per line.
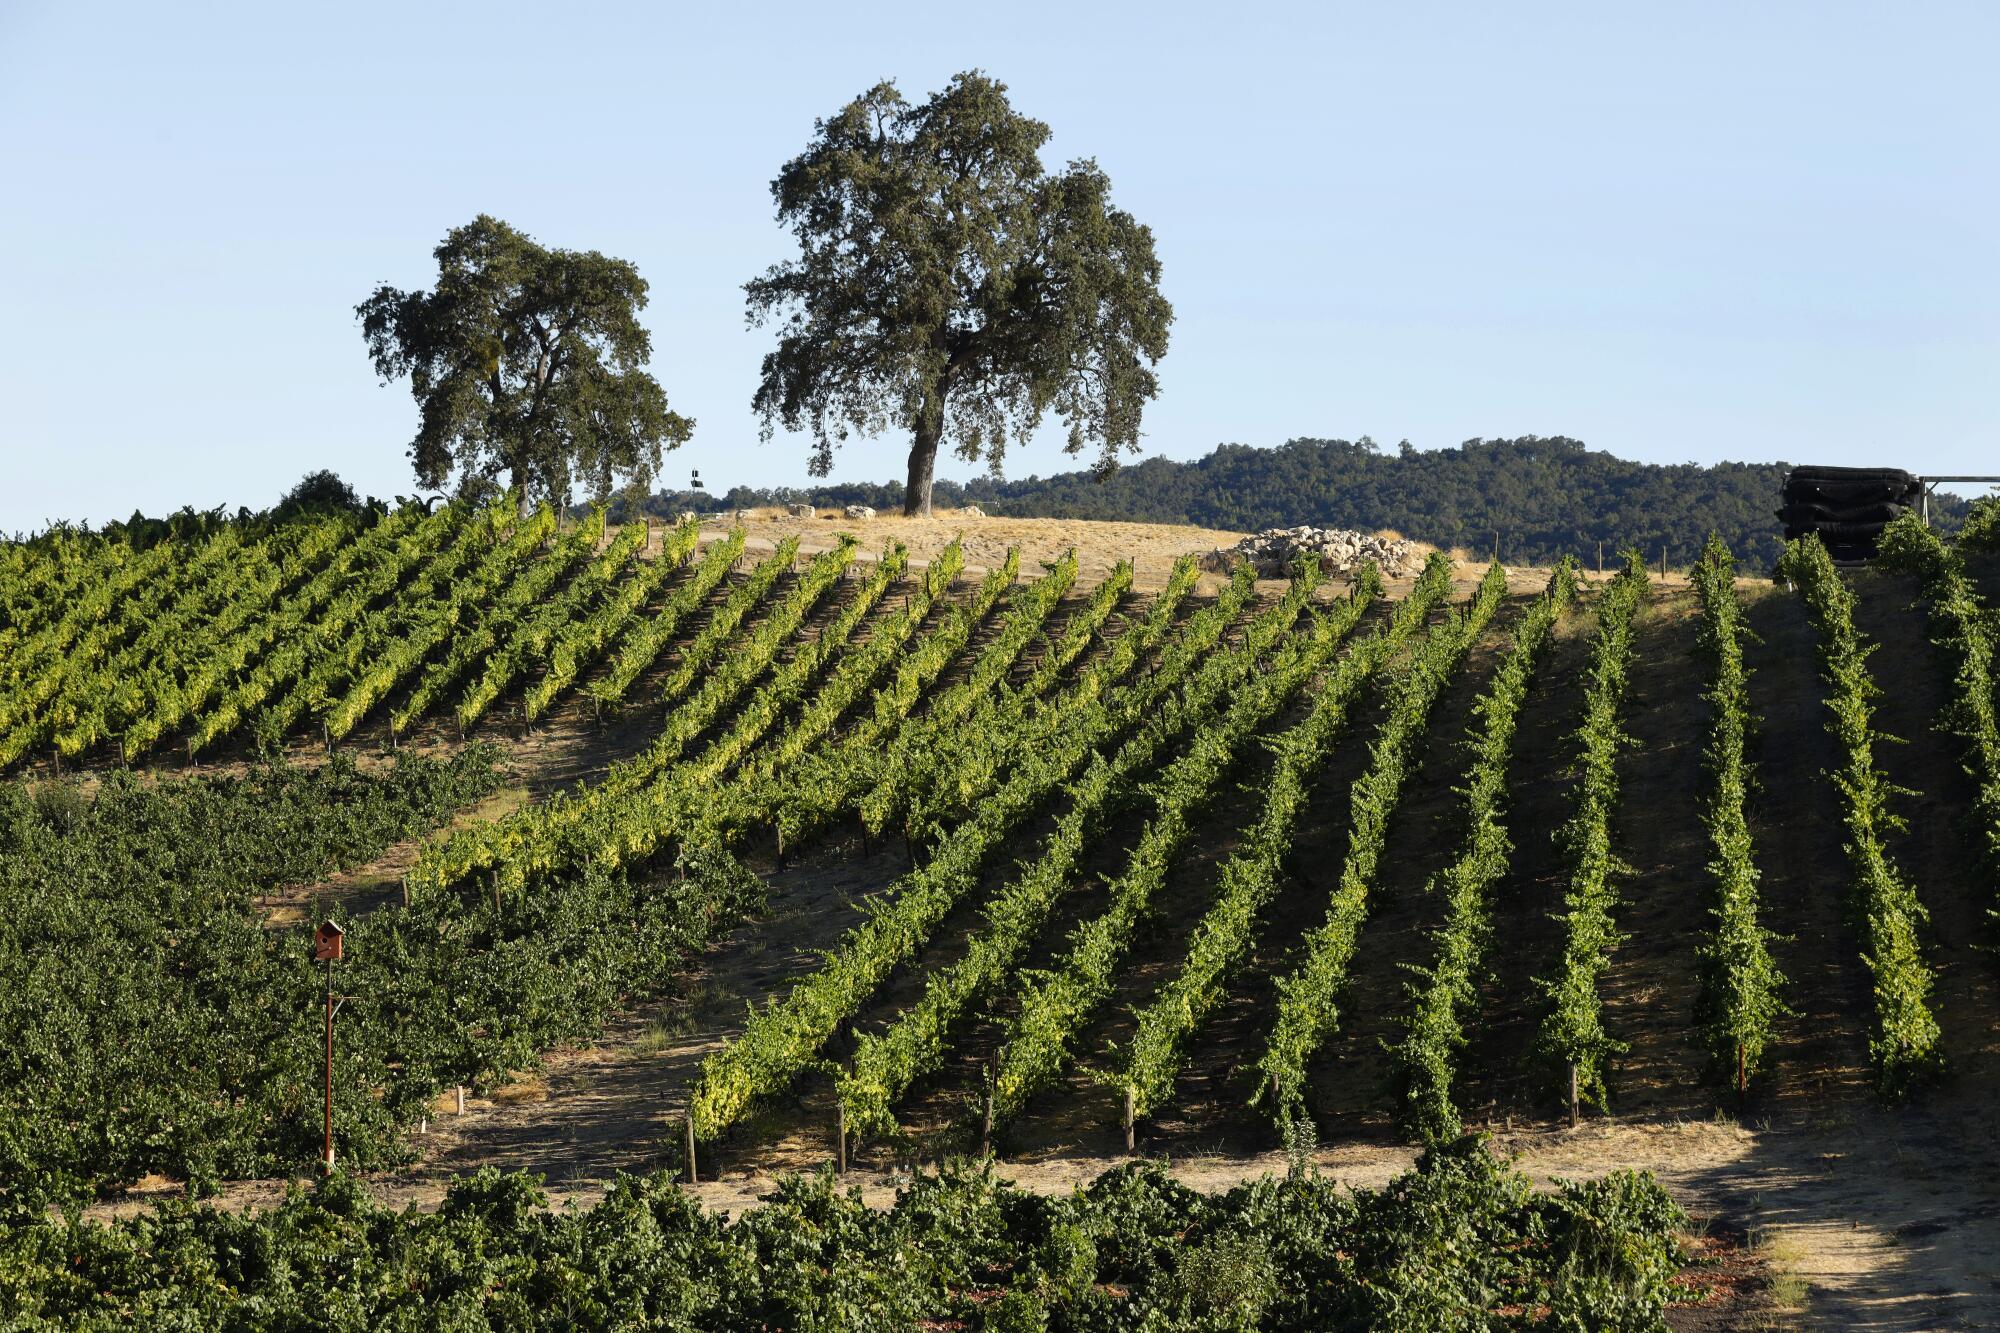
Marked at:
<point>519,476</point>
<point>923,461</point>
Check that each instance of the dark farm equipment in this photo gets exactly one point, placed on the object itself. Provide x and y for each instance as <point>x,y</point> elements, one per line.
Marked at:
<point>1847,507</point>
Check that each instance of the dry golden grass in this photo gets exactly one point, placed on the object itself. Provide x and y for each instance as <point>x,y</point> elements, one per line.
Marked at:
<point>527,1088</point>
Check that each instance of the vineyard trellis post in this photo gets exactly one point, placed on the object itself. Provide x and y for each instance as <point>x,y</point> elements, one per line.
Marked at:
<point>839,1137</point>
<point>986,1126</point>
<point>1131,1095</point>
<point>1575,1107</point>
<point>687,1122</point>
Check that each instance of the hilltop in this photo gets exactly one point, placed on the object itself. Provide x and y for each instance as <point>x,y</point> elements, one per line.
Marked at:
<point>1538,498</point>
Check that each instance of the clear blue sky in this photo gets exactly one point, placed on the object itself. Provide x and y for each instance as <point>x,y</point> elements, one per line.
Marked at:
<point>1676,231</point>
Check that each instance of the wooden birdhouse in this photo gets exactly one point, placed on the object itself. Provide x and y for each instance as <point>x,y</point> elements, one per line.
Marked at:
<point>326,942</point>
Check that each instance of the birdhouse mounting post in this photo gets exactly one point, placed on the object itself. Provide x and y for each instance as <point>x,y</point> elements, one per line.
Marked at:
<point>326,949</point>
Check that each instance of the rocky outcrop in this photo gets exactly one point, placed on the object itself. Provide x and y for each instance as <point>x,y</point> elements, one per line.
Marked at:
<point>800,511</point>
<point>1338,551</point>
<point>860,512</point>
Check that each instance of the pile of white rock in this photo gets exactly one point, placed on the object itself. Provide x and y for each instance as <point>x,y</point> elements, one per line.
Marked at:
<point>1272,551</point>
<point>860,512</point>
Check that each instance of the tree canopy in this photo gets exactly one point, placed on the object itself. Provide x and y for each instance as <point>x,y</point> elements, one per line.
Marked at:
<point>525,360</point>
<point>320,491</point>
<point>948,286</point>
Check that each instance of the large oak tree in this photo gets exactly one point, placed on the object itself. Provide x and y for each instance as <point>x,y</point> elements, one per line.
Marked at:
<point>948,286</point>
<point>527,361</point>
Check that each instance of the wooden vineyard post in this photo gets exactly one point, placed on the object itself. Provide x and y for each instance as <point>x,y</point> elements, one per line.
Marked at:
<point>327,940</point>
<point>839,1138</point>
<point>1131,1097</point>
<point>1742,1073</point>
<point>1575,1110</point>
<point>778,830</point>
<point>329,1064</point>
<point>687,1122</point>
<point>458,1101</point>
<point>1600,556</point>
<point>986,1126</point>
<point>406,893</point>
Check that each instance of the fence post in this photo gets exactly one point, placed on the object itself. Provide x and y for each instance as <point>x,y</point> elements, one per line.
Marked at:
<point>458,1100</point>
<point>1130,1099</point>
<point>687,1121</point>
<point>839,1138</point>
<point>1575,1110</point>
<point>986,1129</point>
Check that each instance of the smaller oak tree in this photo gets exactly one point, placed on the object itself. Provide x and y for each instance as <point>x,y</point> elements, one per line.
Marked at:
<point>947,285</point>
<point>528,361</point>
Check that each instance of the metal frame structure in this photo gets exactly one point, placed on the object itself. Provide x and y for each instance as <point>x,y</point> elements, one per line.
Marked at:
<point>1931,483</point>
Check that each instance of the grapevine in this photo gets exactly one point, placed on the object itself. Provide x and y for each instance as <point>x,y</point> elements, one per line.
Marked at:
<point>1572,1036</point>
<point>1434,1029</point>
<point>1740,983</point>
<point>1307,1007</point>
<point>1905,1044</point>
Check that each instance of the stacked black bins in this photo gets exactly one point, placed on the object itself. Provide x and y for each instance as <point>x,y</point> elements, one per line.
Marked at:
<point>1847,506</point>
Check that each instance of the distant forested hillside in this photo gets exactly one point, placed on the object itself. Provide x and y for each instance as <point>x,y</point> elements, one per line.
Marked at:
<point>1540,497</point>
